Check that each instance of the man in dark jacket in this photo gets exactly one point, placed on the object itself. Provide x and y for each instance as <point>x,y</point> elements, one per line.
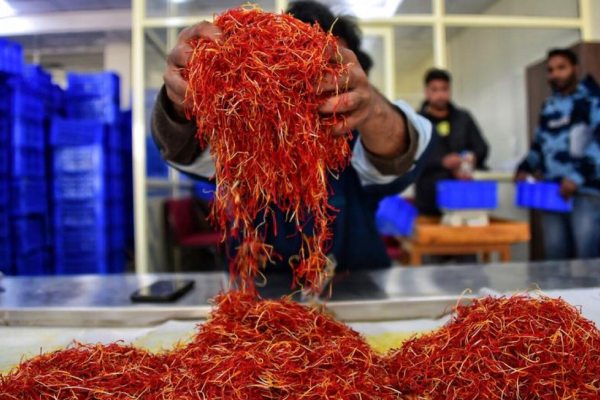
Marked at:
<point>459,141</point>
<point>389,146</point>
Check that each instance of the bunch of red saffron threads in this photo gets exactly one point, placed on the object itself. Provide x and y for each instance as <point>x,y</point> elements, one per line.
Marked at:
<point>504,348</point>
<point>99,372</point>
<point>254,94</point>
<point>278,350</point>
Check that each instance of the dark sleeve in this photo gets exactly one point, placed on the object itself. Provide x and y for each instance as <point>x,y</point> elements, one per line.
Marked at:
<point>477,143</point>
<point>174,136</point>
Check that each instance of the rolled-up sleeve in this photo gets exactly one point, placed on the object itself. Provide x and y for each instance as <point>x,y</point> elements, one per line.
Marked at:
<point>375,170</point>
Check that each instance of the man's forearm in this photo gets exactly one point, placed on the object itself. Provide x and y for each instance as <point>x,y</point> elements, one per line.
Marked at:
<point>384,133</point>
<point>174,136</point>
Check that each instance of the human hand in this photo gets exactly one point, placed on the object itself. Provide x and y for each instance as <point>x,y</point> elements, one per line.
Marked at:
<point>351,94</point>
<point>452,161</point>
<point>567,188</point>
<point>175,85</point>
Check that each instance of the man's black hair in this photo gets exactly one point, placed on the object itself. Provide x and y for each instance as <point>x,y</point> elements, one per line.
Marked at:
<point>565,53</point>
<point>436,74</point>
<point>343,27</point>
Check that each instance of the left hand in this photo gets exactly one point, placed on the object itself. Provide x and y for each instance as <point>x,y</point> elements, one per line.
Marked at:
<point>354,98</point>
<point>567,188</point>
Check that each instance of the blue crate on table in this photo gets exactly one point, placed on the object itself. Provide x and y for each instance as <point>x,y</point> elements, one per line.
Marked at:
<point>78,159</point>
<point>29,234</point>
<point>395,216</point>
<point>28,195</point>
<point>79,186</point>
<point>34,263</point>
<point>542,196</point>
<point>103,109</point>
<point>80,213</point>
<point>28,162</point>
<point>72,132</point>
<point>11,57</point>
<point>467,195</point>
<point>22,100</point>
<point>83,264</point>
<point>97,84</point>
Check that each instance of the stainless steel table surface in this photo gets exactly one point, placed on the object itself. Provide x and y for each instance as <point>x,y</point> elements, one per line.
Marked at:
<point>388,294</point>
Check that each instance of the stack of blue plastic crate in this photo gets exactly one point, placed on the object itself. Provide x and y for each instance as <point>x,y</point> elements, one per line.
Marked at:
<point>11,65</point>
<point>24,214</point>
<point>88,166</point>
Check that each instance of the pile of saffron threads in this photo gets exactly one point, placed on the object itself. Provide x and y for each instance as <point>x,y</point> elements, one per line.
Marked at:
<point>254,95</point>
<point>504,348</point>
<point>99,372</point>
<point>278,350</point>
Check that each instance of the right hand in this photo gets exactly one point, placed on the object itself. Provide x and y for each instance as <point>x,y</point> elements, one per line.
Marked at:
<point>175,85</point>
<point>521,176</point>
<point>452,161</point>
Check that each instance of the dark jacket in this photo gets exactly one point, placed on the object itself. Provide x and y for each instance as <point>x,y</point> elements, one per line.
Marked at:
<point>356,242</point>
<point>464,136</point>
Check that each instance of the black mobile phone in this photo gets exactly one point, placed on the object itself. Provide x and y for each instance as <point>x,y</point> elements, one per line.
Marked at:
<point>164,291</point>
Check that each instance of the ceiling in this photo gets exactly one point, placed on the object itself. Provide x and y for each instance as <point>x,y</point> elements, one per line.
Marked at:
<point>48,6</point>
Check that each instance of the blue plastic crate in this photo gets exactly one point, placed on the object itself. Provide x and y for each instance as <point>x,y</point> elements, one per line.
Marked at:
<point>79,186</point>
<point>28,132</point>
<point>33,263</point>
<point>84,264</point>
<point>395,216</point>
<point>542,196</point>
<point>115,163</point>
<point>6,266</point>
<point>24,100</point>
<point>204,190</point>
<point>28,162</point>
<point>116,262</point>
<point>4,222</point>
<point>39,80</point>
<point>80,241</point>
<point>126,128</point>
<point>73,132</point>
<point>114,141</point>
<point>467,195</point>
<point>85,213</point>
<point>116,238</point>
<point>28,195</point>
<point>4,162</point>
<point>29,234</point>
<point>116,213</point>
<point>11,57</point>
<point>99,84</point>
<point>78,159</point>
<point>103,109</point>
<point>4,192</point>
<point>5,128</point>
<point>115,188</point>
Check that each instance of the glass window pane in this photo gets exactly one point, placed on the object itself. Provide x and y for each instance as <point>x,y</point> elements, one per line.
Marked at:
<point>378,8</point>
<point>413,47</point>
<point>488,67</point>
<point>186,8</point>
<point>542,8</point>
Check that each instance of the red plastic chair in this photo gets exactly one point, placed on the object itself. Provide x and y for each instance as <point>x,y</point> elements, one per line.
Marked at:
<point>186,230</point>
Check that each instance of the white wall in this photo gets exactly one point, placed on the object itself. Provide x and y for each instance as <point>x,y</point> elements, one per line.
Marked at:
<point>489,64</point>
<point>117,58</point>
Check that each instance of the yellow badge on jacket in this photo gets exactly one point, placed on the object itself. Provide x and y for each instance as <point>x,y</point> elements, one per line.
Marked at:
<point>443,128</point>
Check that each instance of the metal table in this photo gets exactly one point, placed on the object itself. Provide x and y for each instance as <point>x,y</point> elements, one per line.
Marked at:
<point>391,294</point>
